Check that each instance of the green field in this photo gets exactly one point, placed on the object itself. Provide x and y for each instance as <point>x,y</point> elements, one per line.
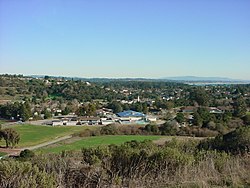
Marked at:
<point>33,134</point>
<point>96,141</point>
<point>3,121</point>
<point>2,154</point>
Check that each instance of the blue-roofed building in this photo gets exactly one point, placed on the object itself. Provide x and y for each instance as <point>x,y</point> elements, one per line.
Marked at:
<point>130,116</point>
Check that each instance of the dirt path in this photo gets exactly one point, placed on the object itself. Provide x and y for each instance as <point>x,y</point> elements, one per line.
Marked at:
<point>48,143</point>
<point>16,151</point>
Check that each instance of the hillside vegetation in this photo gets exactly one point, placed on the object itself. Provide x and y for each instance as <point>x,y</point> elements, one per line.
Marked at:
<point>137,164</point>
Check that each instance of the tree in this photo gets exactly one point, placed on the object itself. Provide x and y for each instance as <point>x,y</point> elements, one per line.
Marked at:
<point>204,114</point>
<point>115,106</point>
<point>168,129</point>
<point>87,110</point>
<point>10,136</point>
<point>25,111</point>
<point>47,114</point>
<point>66,111</point>
<point>200,96</point>
<point>144,108</point>
<point>180,118</point>
<point>237,141</point>
<point>197,121</point>
<point>152,128</point>
<point>240,107</point>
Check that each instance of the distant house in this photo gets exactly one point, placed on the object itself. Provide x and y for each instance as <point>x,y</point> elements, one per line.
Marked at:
<point>56,123</point>
<point>214,110</point>
<point>106,121</point>
<point>188,109</point>
<point>104,112</point>
<point>90,121</point>
<point>225,108</point>
<point>151,118</point>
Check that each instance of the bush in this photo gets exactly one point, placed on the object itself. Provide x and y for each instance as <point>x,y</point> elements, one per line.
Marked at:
<point>152,128</point>
<point>24,174</point>
<point>237,141</point>
<point>27,154</point>
<point>204,132</point>
<point>109,130</point>
<point>130,130</point>
<point>246,119</point>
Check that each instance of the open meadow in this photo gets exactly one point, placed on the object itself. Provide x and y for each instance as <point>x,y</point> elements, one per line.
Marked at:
<point>31,135</point>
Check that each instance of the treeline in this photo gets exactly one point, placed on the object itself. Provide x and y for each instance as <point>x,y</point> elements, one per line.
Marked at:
<point>166,129</point>
<point>16,110</point>
<point>136,164</point>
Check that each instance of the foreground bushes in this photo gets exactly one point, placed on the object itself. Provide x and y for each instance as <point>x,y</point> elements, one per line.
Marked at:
<point>24,174</point>
<point>219,162</point>
<point>236,142</point>
<point>132,164</point>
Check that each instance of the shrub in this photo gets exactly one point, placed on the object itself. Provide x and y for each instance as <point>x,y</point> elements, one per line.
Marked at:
<point>27,154</point>
<point>237,141</point>
<point>246,119</point>
<point>109,130</point>
<point>152,128</point>
<point>24,174</point>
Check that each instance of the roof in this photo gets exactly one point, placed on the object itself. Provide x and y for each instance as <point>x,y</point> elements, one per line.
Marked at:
<point>130,113</point>
<point>188,109</point>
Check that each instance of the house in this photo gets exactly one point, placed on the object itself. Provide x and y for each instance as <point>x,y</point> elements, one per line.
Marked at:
<point>214,110</point>
<point>107,121</point>
<point>56,123</point>
<point>90,121</point>
<point>151,118</point>
<point>188,109</point>
<point>226,108</point>
<point>104,112</point>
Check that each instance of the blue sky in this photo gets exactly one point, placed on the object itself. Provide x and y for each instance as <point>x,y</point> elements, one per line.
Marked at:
<point>129,38</point>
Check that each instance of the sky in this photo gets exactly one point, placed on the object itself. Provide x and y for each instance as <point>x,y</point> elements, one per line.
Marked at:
<point>125,38</point>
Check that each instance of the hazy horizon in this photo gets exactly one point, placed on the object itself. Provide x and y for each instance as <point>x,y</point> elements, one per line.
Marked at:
<point>128,39</point>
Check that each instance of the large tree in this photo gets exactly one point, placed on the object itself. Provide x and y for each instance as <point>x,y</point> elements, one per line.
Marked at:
<point>201,96</point>
<point>10,136</point>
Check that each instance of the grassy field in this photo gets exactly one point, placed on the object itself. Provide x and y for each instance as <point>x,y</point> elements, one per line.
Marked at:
<point>96,141</point>
<point>33,134</point>
<point>3,121</point>
<point>2,154</point>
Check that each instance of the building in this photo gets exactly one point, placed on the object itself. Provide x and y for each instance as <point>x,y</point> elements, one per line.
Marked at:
<point>188,109</point>
<point>131,115</point>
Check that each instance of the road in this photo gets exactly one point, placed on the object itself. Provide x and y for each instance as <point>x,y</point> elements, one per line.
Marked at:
<point>47,143</point>
<point>16,151</point>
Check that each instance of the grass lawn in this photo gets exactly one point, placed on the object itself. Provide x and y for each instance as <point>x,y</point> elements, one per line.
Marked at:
<point>34,134</point>
<point>96,141</point>
<point>2,154</point>
<point>3,121</point>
